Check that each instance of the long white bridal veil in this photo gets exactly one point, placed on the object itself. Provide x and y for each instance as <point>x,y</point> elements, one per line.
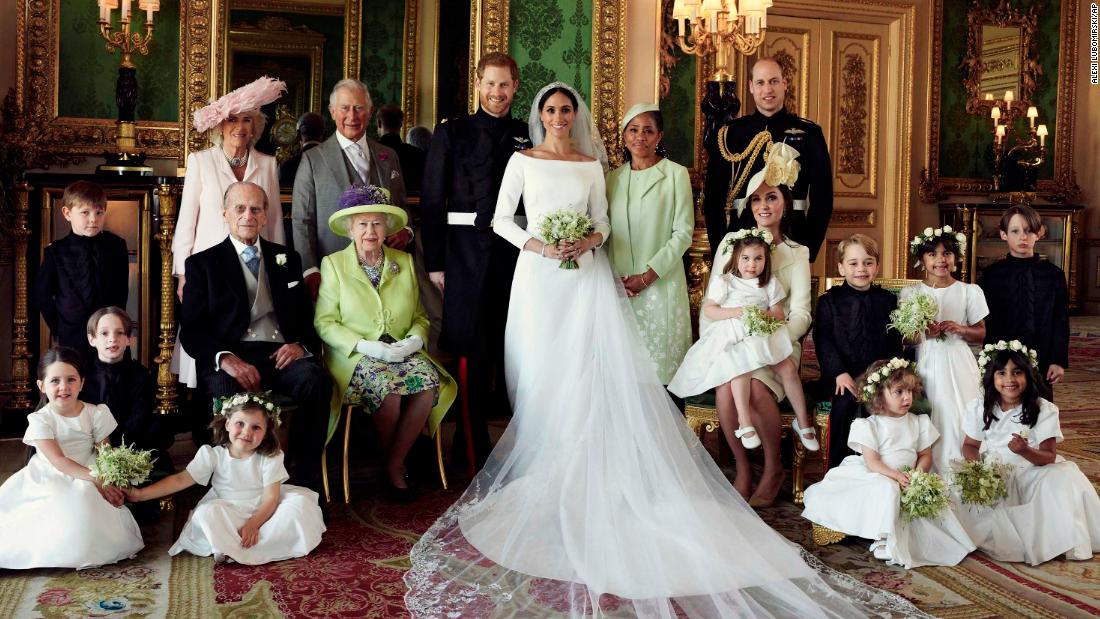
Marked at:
<point>598,501</point>
<point>585,137</point>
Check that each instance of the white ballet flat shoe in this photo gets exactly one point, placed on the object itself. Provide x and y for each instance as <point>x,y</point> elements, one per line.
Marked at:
<point>807,435</point>
<point>750,442</point>
<point>879,550</point>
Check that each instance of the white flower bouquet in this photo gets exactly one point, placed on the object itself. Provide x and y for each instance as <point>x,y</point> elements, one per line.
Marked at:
<point>122,466</point>
<point>759,322</point>
<point>924,497</point>
<point>980,482</point>
<point>914,315</point>
<point>565,225</point>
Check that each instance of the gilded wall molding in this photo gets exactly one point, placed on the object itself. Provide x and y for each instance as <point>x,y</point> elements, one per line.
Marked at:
<point>408,66</point>
<point>37,90</point>
<point>853,218</point>
<point>353,25</point>
<point>858,64</point>
<point>199,22</point>
<point>277,34</point>
<point>488,33</point>
<point>1063,187</point>
<point>609,72</point>
<point>289,6</point>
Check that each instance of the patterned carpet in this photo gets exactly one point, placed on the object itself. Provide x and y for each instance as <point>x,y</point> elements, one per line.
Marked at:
<point>356,572</point>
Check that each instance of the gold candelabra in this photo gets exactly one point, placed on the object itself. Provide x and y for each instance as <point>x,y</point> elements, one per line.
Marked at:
<point>127,160</point>
<point>1029,151</point>
<point>714,26</point>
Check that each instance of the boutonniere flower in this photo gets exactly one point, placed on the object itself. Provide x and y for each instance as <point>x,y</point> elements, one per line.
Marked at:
<point>280,259</point>
<point>393,174</point>
<point>383,156</point>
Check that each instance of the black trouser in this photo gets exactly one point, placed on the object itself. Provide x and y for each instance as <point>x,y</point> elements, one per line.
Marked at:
<point>845,410</point>
<point>307,384</point>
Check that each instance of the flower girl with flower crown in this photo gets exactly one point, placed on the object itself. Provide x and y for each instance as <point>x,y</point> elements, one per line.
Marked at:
<point>944,360</point>
<point>748,333</point>
<point>1051,508</point>
<point>249,515</point>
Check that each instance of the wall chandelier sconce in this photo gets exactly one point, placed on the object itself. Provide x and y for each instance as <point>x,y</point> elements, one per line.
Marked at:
<point>127,160</point>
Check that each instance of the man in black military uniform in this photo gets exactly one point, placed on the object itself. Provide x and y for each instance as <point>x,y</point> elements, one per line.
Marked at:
<point>813,193</point>
<point>464,258</point>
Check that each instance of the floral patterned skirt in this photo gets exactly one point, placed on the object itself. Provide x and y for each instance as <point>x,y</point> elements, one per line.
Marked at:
<point>374,379</point>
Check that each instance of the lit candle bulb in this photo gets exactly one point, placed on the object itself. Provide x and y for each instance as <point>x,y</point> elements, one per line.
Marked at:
<point>988,96</point>
<point>1032,114</point>
<point>1042,133</point>
<point>995,114</point>
<point>1000,133</point>
<point>1009,98</point>
<point>125,10</point>
<point>680,14</point>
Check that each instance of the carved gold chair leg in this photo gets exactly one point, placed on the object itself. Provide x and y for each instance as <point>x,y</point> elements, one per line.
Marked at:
<point>797,459</point>
<point>324,474</point>
<point>347,440</point>
<point>439,457</point>
<point>823,536</point>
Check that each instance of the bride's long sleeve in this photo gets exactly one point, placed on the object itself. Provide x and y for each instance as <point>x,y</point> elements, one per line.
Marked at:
<point>511,190</point>
<point>597,207</point>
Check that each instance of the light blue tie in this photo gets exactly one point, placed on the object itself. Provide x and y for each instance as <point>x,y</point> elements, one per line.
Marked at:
<point>251,259</point>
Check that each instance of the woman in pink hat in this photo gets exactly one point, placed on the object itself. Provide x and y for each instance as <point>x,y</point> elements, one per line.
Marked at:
<point>233,123</point>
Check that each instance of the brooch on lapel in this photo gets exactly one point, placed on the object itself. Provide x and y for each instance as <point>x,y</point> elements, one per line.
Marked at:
<point>394,174</point>
<point>522,143</point>
<point>280,259</point>
<point>794,131</point>
<point>394,269</point>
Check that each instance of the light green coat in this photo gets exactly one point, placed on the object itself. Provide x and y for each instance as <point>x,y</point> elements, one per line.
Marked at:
<point>651,227</point>
<point>349,309</point>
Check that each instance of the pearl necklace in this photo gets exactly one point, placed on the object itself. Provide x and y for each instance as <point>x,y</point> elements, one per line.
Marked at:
<point>236,162</point>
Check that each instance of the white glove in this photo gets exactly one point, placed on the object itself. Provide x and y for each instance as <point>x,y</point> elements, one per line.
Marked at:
<point>408,346</point>
<point>378,350</point>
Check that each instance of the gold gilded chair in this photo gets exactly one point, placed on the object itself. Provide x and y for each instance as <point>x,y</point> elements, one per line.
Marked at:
<point>348,409</point>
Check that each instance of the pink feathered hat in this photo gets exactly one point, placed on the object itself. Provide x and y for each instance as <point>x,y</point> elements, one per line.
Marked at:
<point>248,97</point>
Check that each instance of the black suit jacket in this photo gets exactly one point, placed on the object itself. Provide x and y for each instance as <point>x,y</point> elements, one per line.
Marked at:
<point>216,312</point>
<point>412,161</point>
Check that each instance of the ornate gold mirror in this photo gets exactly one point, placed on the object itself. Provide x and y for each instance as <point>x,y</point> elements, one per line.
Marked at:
<point>1000,56</point>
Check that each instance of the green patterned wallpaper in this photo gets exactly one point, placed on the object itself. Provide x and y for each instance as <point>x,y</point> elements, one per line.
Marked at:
<point>550,40</point>
<point>87,73</point>
<point>678,109</point>
<point>383,42</point>
<point>965,139</point>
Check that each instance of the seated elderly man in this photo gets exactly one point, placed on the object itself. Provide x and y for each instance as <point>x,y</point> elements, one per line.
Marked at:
<point>374,328</point>
<point>248,323</point>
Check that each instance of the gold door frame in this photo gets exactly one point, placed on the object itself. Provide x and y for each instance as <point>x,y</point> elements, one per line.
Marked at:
<point>934,188</point>
<point>37,90</point>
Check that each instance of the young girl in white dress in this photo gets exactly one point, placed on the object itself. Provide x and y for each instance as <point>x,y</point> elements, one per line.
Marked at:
<point>1052,508</point>
<point>726,355</point>
<point>248,515</point>
<point>944,360</point>
<point>53,513</point>
<point>862,496</point>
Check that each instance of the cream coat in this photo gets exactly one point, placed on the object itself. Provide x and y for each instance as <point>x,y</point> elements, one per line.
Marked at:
<point>200,223</point>
<point>349,309</point>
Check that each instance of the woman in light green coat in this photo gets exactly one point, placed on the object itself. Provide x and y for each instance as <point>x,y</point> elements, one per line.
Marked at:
<point>650,207</point>
<point>374,329</point>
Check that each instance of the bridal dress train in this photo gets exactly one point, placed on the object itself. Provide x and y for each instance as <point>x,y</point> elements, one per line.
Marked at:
<point>598,501</point>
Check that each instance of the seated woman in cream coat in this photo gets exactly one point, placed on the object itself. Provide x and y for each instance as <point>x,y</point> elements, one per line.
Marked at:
<point>374,329</point>
<point>233,123</point>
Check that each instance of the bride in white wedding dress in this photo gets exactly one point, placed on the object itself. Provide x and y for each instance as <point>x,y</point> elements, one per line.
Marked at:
<point>598,501</point>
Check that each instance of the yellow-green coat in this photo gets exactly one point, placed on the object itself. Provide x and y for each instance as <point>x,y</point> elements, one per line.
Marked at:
<point>651,227</point>
<point>349,309</point>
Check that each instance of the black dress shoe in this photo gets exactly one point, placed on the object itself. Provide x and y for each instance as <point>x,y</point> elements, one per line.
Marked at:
<point>400,495</point>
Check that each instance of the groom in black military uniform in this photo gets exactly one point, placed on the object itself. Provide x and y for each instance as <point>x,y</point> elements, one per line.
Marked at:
<point>809,216</point>
<point>465,259</point>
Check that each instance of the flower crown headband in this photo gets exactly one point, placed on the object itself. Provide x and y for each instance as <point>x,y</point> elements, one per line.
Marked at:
<point>929,234</point>
<point>263,400</point>
<point>745,233</point>
<point>991,349</point>
<point>881,375</point>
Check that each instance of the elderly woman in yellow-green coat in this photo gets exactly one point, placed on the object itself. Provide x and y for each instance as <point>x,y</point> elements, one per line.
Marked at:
<point>649,204</point>
<point>374,329</point>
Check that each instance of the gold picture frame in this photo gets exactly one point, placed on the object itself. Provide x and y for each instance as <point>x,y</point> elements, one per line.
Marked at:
<point>37,90</point>
<point>1063,187</point>
<point>276,37</point>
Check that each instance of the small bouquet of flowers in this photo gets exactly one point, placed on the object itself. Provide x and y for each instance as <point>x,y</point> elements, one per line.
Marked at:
<point>122,466</point>
<point>924,497</point>
<point>913,316</point>
<point>759,322</point>
<point>565,225</point>
<point>980,482</point>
